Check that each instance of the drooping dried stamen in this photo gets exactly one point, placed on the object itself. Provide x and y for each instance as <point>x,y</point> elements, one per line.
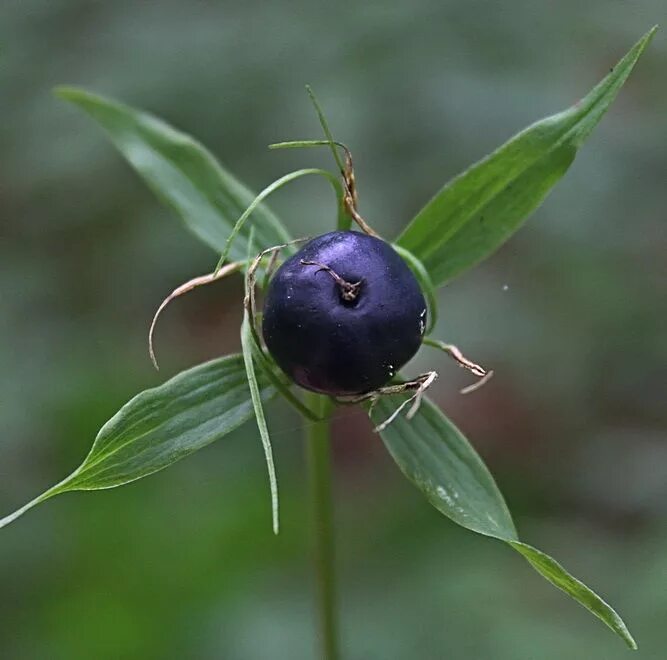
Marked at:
<point>455,353</point>
<point>251,274</point>
<point>480,383</point>
<point>184,288</point>
<point>420,384</point>
<point>351,197</point>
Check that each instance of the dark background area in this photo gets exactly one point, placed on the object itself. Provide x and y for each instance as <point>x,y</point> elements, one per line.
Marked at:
<point>570,314</point>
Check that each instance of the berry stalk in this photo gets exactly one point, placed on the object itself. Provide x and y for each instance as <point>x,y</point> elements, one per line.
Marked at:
<point>318,455</point>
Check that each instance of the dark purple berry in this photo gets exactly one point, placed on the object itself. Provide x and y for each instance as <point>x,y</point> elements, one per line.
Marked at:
<point>343,314</point>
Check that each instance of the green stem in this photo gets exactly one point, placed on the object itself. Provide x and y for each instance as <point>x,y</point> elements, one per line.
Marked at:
<point>319,472</point>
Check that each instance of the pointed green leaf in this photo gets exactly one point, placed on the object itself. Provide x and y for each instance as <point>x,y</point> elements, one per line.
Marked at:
<point>271,188</point>
<point>559,577</point>
<point>433,454</point>
<point>162,425</point>
<point>474,214</point>
<point>256,396</point>
<point>247,344</point>
<point>425,283</point>
<point>439,460</point>
<point>182,173</point>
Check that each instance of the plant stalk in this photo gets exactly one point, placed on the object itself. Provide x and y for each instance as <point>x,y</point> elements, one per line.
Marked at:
<point>318,455</point>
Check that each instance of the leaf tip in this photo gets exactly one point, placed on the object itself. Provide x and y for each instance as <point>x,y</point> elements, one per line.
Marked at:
<point>79,95</point>
<point>67,92</point>
<point>646,38</point>
<point>649,33</point>
<point>72,94</point>
<point>64,91</point>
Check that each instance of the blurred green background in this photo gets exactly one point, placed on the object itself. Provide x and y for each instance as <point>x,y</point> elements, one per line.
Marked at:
<point>570,314</point>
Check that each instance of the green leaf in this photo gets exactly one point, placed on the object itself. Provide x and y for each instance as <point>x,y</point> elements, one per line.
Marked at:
<point>433,454</point>
<point>441,462</point>
<point>247,344</point>
<point>549,568</point>
<point>256,396</point>
<point>182,173</point>
<point>325,127</point>
<point>162,425</point>
<point>271,188</point>
<point>425,283</point>
<point>480,209</point>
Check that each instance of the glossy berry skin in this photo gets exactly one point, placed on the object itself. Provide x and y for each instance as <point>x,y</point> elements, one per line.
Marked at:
<point>328,344</point>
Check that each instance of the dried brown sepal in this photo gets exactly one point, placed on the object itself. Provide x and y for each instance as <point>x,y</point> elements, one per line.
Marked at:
<point>420,384</point>
<point>455,353</point>
<point>195,282</point>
